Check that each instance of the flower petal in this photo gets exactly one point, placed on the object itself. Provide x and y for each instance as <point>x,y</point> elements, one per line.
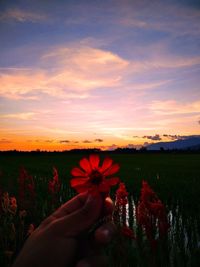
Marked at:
<point>78,181</point>
<point>112,170</point>
<point>104,187</point>
<point>113,181</point>
<point>106,164</point>
<point>77,172</point>
<point>94,161</point>
<point>85,165</point>
<point>81,188</point>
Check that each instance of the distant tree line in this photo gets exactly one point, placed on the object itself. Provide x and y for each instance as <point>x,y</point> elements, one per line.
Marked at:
<point>98,150</point>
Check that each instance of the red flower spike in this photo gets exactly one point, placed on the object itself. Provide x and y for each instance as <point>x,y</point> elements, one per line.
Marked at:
<point>151,214</point>
<point>26,186</point>
<point>54,184</point>
<point>121,195</point>
<point>126,231</point>
<point>55,175</point>
<point>92,177</point>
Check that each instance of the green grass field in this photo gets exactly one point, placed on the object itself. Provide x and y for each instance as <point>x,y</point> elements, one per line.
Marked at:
<point>174,177</point>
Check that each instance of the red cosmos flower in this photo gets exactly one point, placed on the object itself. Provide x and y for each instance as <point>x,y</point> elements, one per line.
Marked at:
<point>93,177</point>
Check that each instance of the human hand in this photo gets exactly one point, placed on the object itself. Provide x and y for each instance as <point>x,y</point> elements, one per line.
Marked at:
<point>62,239</point>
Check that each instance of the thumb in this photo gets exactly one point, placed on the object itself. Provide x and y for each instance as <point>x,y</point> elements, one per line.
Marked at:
<point>82,219</point>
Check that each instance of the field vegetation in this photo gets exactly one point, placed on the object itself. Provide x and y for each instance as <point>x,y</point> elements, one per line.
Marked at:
<point>174,177</point>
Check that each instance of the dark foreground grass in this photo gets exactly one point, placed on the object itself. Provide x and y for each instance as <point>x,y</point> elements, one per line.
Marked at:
<point>175,177</point>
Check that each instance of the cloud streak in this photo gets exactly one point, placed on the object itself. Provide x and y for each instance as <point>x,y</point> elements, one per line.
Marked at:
<point>163,17</point>
<point>64,141</point>
<point>19,116</point>
<point>22,16</point>
<point>5,141</point>
<point>172,107</point>
<point>155,137</point>
<point>79,71</point>
<point>98,140</point>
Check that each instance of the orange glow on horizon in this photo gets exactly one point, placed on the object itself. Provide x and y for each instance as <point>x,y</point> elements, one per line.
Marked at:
<point>27,143</point>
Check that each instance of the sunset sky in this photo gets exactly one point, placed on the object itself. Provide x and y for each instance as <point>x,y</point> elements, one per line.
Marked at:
<point>79,74</point>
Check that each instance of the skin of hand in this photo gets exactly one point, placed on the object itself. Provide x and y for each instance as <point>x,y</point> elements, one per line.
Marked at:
<point>62,239</point>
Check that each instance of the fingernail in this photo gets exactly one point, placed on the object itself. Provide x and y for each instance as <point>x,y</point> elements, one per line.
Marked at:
<point>103,236</point>
<point>106,234</point>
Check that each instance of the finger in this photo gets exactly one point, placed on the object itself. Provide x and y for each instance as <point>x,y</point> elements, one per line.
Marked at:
<point>70,206</point>
<point>81,219</point>
<point>105,233</point>
<point>108,206</point>
<point>74,204</point>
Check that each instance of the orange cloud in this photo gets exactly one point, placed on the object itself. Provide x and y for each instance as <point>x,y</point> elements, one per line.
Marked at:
<point>86,68</point>
<point>76,71</point>
<point>17,84</point>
